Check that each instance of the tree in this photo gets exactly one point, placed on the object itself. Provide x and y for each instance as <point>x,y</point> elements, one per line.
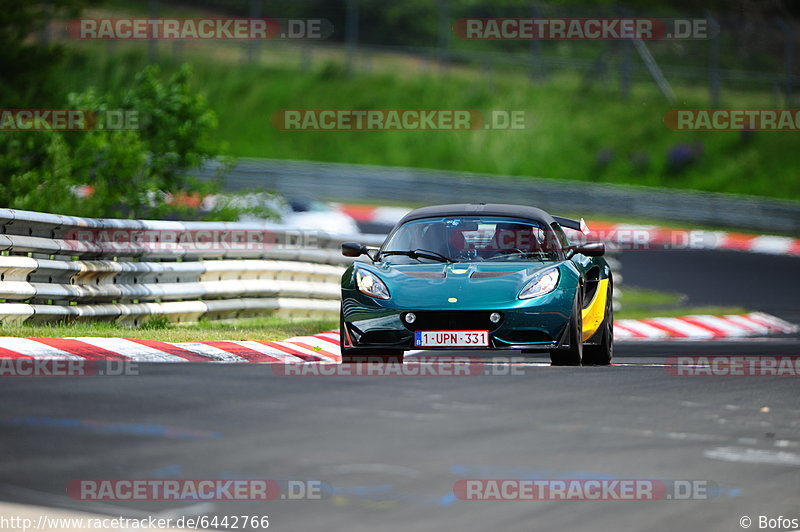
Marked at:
<point>129,170</point>
<point>25,62</point>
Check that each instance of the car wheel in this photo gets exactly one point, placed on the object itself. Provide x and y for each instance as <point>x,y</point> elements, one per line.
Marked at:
<point>572,355</point>
<point>360,355</point>
<point>601,354</point>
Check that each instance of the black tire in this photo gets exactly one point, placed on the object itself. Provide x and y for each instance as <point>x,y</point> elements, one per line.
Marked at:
<point>572,355</point>
<point>602,353</point>
<point>361,355</point>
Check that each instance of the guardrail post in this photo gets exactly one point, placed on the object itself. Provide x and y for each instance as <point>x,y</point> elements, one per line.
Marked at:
<point>625,69</point>
<point>443,10</point>
<point>713,67</point>
<point>535,49</point>
<point>612,257</point>
<point>352,34</point>
<point>788,60</point>
<point>152,44</point>
<point>253,46</point>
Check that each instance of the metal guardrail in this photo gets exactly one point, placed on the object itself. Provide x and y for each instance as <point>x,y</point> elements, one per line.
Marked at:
<point>375,183</point>
<point>60,268</point>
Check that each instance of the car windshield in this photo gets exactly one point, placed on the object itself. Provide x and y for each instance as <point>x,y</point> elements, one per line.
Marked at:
<point>471,239</point>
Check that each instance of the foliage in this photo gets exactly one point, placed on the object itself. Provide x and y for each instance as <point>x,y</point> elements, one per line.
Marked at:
<point>573,132</point>
<point>168,131</point>
<point>26,60</point>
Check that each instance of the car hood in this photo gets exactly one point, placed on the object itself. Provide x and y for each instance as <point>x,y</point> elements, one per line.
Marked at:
<point>473,285</point>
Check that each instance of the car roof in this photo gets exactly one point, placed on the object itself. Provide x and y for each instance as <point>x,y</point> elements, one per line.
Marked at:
<point>479,209</point>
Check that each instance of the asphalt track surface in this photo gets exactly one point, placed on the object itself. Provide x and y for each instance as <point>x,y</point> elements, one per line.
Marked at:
<point>391,448</point>
<point>768,283</point>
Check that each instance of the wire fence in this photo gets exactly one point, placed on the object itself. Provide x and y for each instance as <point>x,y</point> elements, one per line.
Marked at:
<point>754,51</point>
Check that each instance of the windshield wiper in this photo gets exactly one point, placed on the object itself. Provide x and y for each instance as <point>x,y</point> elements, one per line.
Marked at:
<point>419,253</point>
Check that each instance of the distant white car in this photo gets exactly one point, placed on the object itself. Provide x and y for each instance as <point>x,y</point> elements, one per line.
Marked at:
<point>317,215</point>
<point>310,215</point>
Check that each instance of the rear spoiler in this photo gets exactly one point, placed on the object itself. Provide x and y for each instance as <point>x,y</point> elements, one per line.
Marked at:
<point>578,225</point>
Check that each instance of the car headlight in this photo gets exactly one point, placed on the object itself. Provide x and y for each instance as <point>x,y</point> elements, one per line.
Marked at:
<point>541,284</point>
<point>369,283</point>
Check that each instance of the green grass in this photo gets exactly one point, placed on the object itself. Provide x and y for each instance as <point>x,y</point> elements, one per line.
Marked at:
<point>638,314</point>
<point>569,125</point>
<point>268,328</point>
<point>636,298</point>
<point>638,303</point>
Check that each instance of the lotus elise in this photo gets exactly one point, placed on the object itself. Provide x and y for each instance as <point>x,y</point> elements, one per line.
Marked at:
<point>477,277</point>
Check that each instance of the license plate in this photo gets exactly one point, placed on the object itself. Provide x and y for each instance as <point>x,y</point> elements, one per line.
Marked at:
<point>451,338</point>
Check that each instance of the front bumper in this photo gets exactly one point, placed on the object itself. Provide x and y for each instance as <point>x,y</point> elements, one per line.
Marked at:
<point>537,323</point>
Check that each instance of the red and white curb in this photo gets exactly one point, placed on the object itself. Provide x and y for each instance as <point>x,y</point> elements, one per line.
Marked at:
<point>324,347</point>
<point>318,348</point>
<point>628,236</point>
<point>702,327</point>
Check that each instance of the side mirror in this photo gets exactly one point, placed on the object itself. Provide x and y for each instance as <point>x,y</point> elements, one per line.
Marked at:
<point>353,249</point>
<point>590,249</point>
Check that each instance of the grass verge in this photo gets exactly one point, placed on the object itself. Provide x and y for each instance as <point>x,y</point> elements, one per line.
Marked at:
<point>267,328</point>
<point>640,303</point>
<point>574,131</point>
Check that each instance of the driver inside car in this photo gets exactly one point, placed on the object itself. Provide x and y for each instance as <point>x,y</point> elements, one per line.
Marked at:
<point>448,241</point>
<point>510,238</point>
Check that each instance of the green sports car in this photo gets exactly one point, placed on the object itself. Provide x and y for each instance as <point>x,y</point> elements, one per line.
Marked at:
<point>479,276</point>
